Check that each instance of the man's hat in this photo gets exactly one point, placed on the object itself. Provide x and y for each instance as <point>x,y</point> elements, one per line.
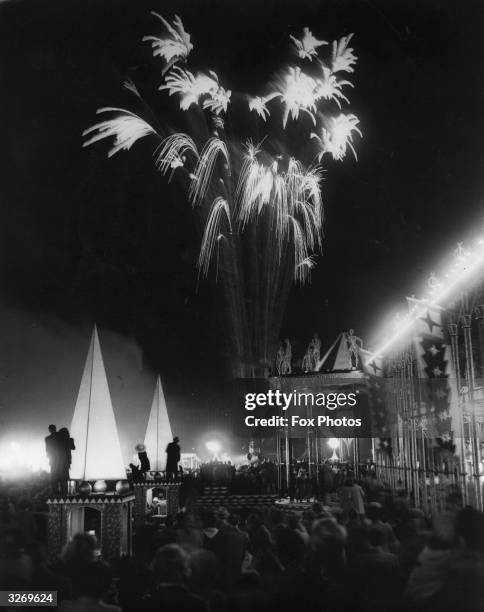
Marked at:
<point>140,448</point>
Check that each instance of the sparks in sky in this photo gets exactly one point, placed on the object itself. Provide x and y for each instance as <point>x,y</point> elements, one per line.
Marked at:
<point>259,208</point>
<point>307,46</point>
<point>298,92</point>
<point>126,127</point>
<point>173,47</point>
<point>192,88</point>
<point>338,136</point>
<point>342,56</point>
<point>329,86</point>
<point>258,104</point>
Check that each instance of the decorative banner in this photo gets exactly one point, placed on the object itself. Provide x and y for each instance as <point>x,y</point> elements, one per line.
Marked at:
<point>434,367</point>
<point>380,419</point>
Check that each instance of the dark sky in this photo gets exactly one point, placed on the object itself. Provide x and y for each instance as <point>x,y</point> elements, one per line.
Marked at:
<point>85,239</point>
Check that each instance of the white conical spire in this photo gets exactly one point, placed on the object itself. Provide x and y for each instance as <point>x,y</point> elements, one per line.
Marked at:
<point>158,432</point>
<point>98,451</point>
<point>343,356</point>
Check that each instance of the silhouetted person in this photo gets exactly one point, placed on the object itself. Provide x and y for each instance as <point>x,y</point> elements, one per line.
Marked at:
<point>93,586</point>
<point>170,568</point>
<point>144,462</point>
<point>173,453</point>
<point>51,450</point>
<point>65,446</point>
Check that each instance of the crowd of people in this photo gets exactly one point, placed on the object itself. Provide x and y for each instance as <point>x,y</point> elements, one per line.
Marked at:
<point>254,477</point>
<point>383,555</point>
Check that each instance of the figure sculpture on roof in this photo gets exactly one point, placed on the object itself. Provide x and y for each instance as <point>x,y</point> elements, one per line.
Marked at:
<point>354,345</point>
<point>316,346</point>
<point>286,367</point>
<point>308,359</point>
<point>280,359</point>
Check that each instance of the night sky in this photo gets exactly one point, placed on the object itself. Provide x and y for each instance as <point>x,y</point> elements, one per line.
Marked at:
<point>87,239</point>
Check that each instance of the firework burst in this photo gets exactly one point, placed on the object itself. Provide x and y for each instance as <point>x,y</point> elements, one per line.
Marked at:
<point>262,211</point>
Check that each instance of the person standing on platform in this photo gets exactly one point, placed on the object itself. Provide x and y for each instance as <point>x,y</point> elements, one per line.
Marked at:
<point>144,462</point>
<point>173,454</point>
<point>51,450</point>
<point>65,447</point>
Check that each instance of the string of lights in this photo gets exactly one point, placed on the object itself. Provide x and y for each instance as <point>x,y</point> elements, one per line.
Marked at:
<point>464,268</point>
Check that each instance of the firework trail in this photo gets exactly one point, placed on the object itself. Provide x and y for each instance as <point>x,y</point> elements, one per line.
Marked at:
<point>261,212</point>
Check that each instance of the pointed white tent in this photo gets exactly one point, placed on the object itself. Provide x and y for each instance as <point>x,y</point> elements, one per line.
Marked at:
<point>338,356</point>
<point>343,356</point>
<point>158,432</point>
<point>98,451</point>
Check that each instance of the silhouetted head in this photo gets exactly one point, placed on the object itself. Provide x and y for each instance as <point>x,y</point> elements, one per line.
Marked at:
<point>374,511</point>
<point>204,568</point>
<point>95,580</point>
<point>176,439</point>
<point>81,550</point>
<point>52,428</point>
<point>170,564</point>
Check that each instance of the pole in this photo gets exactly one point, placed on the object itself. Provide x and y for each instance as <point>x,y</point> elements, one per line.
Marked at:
<point>476,459</point>
<point>460,410</point>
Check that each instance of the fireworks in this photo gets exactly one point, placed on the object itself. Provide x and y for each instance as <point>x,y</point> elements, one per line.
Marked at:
<point>299,92</point>
<point>335,139</point>
<point>306,48</point>
<point>175,46</point>
<point>126,128</point>
<point>219,212</point>
<point>342,57</point>
<point>262,212</point>
<point>258,104</point>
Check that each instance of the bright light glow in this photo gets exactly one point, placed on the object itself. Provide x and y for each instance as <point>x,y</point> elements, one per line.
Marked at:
<point>22,456</point>
<point>466,266</point>
<point>214,447</point>
<point>298,92</point>
<point>334,444</point>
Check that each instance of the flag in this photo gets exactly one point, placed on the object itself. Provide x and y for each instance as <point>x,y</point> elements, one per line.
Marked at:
<point>435,370</point>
